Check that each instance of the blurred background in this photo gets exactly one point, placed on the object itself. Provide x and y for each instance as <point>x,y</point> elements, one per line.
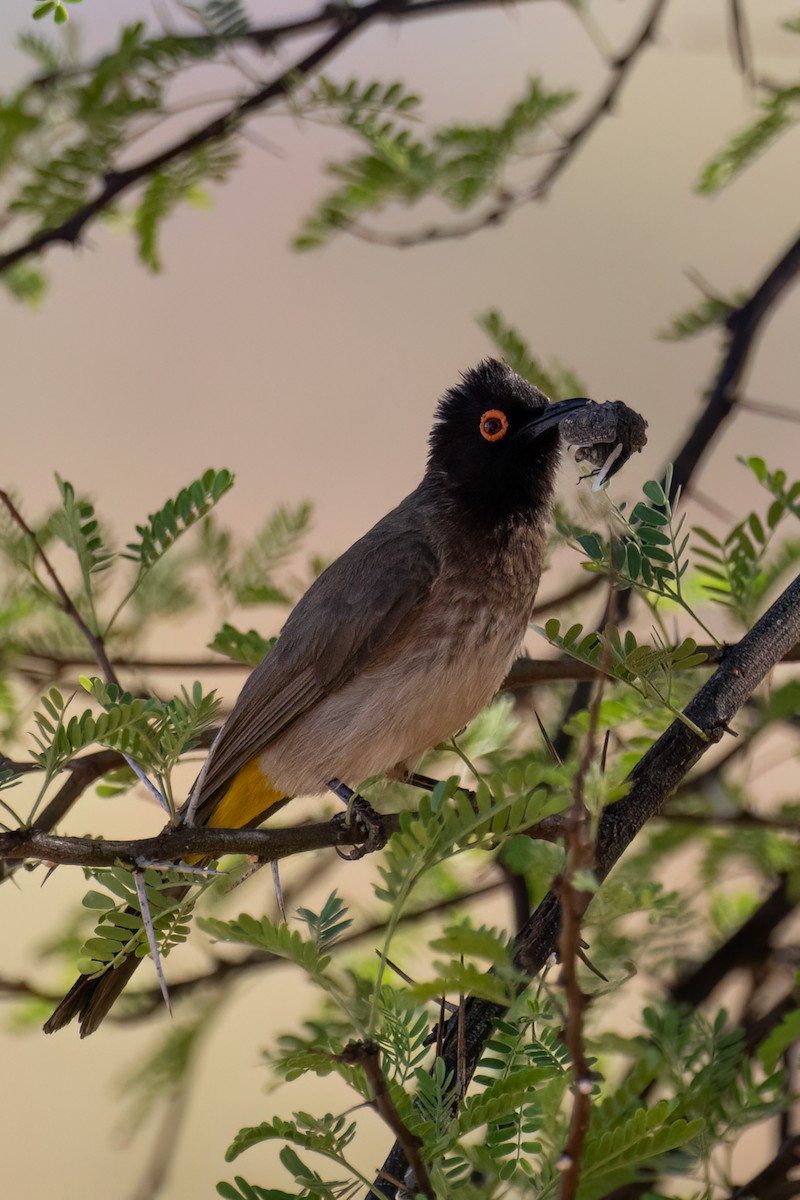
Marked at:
<point>314,375</point>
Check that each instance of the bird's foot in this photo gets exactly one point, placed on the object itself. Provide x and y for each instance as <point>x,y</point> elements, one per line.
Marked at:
<point>363,818</point>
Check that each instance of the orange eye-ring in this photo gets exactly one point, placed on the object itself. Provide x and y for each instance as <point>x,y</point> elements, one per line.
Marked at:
<point>494,425</point>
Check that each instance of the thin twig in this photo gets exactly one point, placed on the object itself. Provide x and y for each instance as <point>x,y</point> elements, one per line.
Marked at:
<point>652,781</point>
<point>740,36</point>
<point>764,409</point>
<point>509,200</point>
<point>367,1056</point>
<point>66,603</point>
<point>525,672</point>
<point>580,858</point>
<point>156,1172</point>
<point>117,182</point>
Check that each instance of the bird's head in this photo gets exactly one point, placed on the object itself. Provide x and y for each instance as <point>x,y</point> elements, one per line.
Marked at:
<point>495,444</point>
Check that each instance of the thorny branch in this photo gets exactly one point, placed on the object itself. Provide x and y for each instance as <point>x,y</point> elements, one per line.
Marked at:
<point>652,781</point>
<point>508,201</point>
<point>367,1056</point>
<point>346,22</point>
<point>147,1001</point>
<point>185,841</point>
<point>743,325</point>
<point>743,328</point>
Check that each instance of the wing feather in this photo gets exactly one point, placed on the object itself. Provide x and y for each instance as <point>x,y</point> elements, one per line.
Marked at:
<point>352,610</point>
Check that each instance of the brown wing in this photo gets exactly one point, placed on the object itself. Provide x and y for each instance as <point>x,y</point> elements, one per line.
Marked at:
<point>351,610</point>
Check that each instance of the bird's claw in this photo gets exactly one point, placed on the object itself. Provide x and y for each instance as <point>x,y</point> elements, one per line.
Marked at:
<point>368,823</point>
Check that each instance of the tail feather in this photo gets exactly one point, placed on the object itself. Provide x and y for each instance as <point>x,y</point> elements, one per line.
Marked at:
<point>90,998</point>
<point>244,805</point>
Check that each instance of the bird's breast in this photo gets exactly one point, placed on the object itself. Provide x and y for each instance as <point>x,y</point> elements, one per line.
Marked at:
<point>423,686</point>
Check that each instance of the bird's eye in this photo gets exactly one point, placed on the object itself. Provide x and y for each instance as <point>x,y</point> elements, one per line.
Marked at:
<point>494,425</point>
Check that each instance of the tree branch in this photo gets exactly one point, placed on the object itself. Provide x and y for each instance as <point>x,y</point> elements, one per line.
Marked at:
<point>773,1182</point>
<point>183,842</point>
<point>743,325</point>
<point>652,781</point>
<point>509,200</point>
<point>367,1056</point>
<point>525,672</point>
<point>749,944</point>
<point>65,600</point>
<point>349,21</point>
<point>574,901</point>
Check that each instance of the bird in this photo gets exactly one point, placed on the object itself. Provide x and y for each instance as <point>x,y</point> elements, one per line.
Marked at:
<point>402,640</point>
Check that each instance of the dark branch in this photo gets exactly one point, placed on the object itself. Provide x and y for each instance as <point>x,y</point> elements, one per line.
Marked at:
<point>526,672</point>
<point>652,781</point>
<point>367,1055</point>
<point>349,22</point>
<point>773,1182</point>
<point>172,844</point>
<point>743,325</point>
<point>510,200</point>
<point>580,857</point>
<point>748,945</point>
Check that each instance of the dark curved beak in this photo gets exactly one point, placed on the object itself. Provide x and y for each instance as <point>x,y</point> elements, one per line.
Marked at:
<point>554,414</point>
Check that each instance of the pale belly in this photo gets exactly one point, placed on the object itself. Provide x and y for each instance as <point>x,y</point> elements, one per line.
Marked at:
<point>394,711</point>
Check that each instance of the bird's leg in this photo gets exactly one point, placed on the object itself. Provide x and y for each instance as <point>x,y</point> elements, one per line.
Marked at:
<point>364,816</point>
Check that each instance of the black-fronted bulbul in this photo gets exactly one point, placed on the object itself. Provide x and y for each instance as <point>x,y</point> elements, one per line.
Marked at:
<point>405,637</point>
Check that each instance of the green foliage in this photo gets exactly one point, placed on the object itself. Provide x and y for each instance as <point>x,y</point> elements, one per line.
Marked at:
<point>780,112</point>
<point>248,648</point>
<point>712,311</point>
<point>226,19</point>
<point>252,579</point>
<point>278,940</point>
<point>173,185</point>
<point>260,571</point>
<point>555,380</point>
<point>56,7</point>
<point>648,669</point>
<point>780,1040</point>
<point>25,283</point>
<point>785,500</point>
<point>738,570</point>
<point>124,726</point>
<point>240,1189</point>
<point>77,526</point>
<point>63,133</point>
<point>449,822</point>
<point>647,551</point>
<point>176,516</point>
<point>120,930</point>
<point>166,1071</point>
<point>355,103</point>
<point>326,926</point>
<point>459,164</point>
<point>150,732</point>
